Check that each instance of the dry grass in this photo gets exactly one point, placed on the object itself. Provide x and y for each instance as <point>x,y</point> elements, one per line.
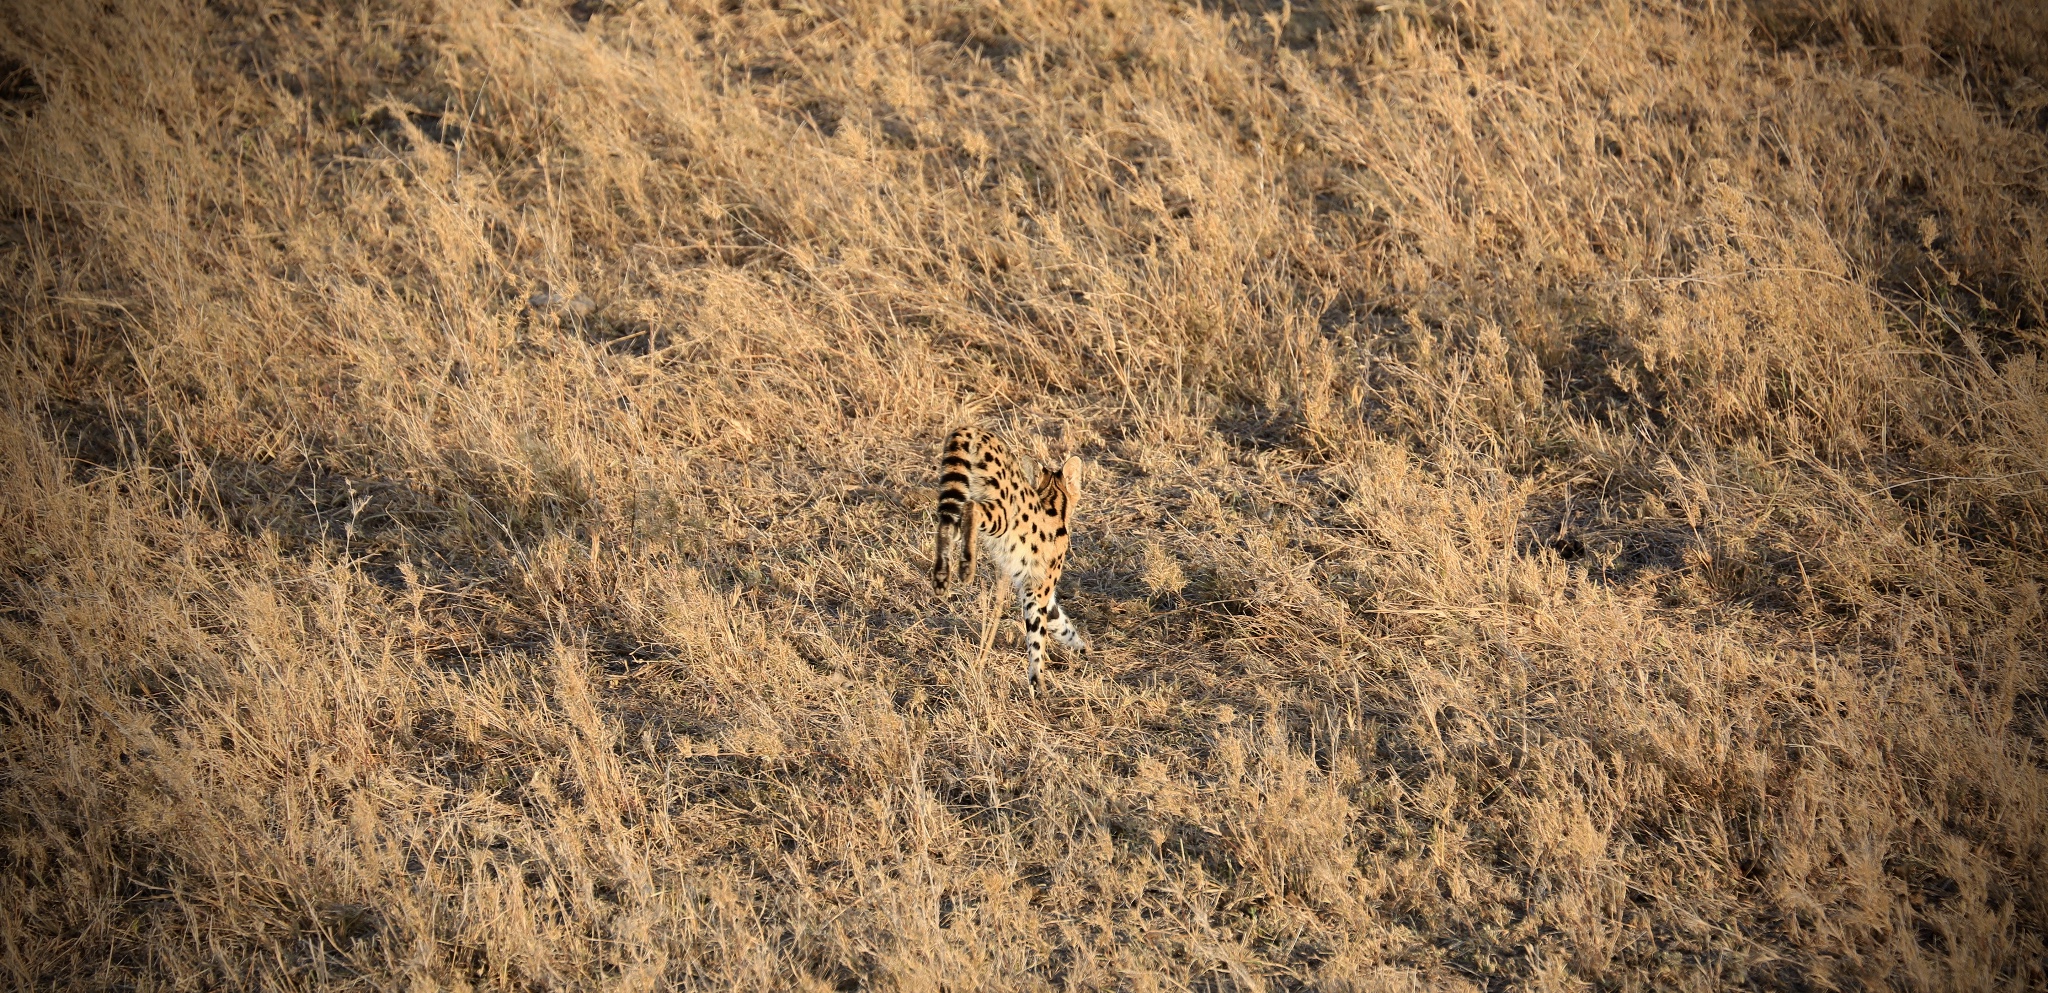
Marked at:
<point>1566,506</point>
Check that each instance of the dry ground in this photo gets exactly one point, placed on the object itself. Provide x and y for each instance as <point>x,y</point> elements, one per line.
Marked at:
<point>1566,505</point>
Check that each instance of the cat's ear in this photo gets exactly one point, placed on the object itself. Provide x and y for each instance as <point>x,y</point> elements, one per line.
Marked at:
<point>1070,478</point>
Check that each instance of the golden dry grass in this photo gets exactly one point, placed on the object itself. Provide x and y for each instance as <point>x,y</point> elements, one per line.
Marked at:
<point>1566,500</point>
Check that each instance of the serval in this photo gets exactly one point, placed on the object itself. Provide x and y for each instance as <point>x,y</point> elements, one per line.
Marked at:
<point>1023,528</point>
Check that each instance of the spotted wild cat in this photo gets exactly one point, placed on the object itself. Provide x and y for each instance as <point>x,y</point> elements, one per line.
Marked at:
<point>982,494</point>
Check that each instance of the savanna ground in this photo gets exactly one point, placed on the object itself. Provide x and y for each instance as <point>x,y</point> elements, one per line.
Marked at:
<point>1566,500</point>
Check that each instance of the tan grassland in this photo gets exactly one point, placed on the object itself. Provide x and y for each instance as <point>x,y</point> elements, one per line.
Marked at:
<point>1565,500</point>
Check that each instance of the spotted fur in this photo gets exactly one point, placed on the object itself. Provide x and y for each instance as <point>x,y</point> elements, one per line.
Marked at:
<point>1023,529</point>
